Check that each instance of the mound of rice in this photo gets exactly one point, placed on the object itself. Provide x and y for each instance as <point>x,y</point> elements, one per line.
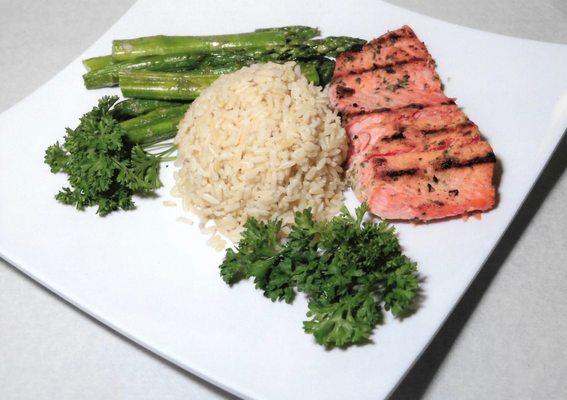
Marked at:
<point>261,142</point>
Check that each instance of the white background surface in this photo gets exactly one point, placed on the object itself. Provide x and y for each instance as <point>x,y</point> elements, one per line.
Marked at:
<point>509,344</point>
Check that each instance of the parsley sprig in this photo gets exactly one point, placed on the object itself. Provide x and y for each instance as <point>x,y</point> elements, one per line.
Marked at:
<point>350,270</point>
<point>104,167</point>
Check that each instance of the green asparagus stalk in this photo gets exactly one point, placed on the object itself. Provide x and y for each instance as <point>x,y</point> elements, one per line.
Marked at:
<point>315,49</point>
<point>155,126</point>
<point>153,116</point>
<point>184,85</point>
<point>325,69</point>
<point>326,47</point>
<point>131,108</point>
<point>267,39</point>
<point>294,31</point>
<point>108,75</point>
<point>309,70</point>
<point>156,132</point>
<point>235,60</point>
<point>164,85</point>
<point>331,46</point>
<point>94,63</point>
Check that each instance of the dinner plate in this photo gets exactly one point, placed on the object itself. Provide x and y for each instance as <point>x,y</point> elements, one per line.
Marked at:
<point>153,278</point>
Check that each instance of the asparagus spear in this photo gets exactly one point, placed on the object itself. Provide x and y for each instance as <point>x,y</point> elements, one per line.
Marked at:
<point>325,69</point>
<point>154,116</point>
<point>309,70</point>
<point>326,47</point>
<point>310,49</point>
<point>164,85</point>
<point>108,75</point>
<point>235,60</point>
<point>131,108</point>
<point>94,63</point>
<point>183,85</point>
<point>219,63</point>
<point>155,126</point>
<point>156,132</point>
<point>267,39</point>
<point>331,46</point>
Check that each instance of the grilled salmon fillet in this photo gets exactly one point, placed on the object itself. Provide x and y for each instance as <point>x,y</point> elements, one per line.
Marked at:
<point>414,154</point>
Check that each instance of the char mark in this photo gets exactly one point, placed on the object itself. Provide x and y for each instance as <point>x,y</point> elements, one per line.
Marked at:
<point>379,161</point>
<point>401,172</point>
<point>394,37</point>
<point>344,91</point>
<point>399,135</point>
<point>449,163</point>
<point>464,125</point>
<point>348,115</point>
<point>417,106</point>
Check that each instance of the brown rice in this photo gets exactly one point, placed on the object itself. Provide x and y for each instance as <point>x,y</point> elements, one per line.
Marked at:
<point>261,142</point>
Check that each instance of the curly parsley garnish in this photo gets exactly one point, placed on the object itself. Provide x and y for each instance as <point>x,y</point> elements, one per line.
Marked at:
<point>104,168</point>
<point>351,270</point>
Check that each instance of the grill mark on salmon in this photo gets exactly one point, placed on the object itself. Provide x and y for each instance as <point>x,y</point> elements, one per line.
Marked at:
<point>487,158</point>
<point>413,140</point>
<point>437,160</point>
<point>413,154</point>
<point>394,194</point>
<point>382,133</point>
<point>400,172</point>
<point>392,48</point>
<point>413,83</point>
<point>408,197</point>
<point>451,163</point>
<point>430,118</point>
<point>399,135</point>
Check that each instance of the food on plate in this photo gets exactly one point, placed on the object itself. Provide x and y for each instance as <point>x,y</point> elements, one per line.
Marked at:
<point>262,155</point>
<point>107,161</point>
<point>261,142</point>
<point>414,155</point>
<point>349,270</point>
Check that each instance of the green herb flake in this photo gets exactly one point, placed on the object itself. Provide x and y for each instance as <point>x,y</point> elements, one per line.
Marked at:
<point>400,84</point>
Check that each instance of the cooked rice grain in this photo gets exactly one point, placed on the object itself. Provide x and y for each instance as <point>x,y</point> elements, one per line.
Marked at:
<point>261,142</point>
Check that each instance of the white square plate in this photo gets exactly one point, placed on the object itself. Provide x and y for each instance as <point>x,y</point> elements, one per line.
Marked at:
<point>154,280</point>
